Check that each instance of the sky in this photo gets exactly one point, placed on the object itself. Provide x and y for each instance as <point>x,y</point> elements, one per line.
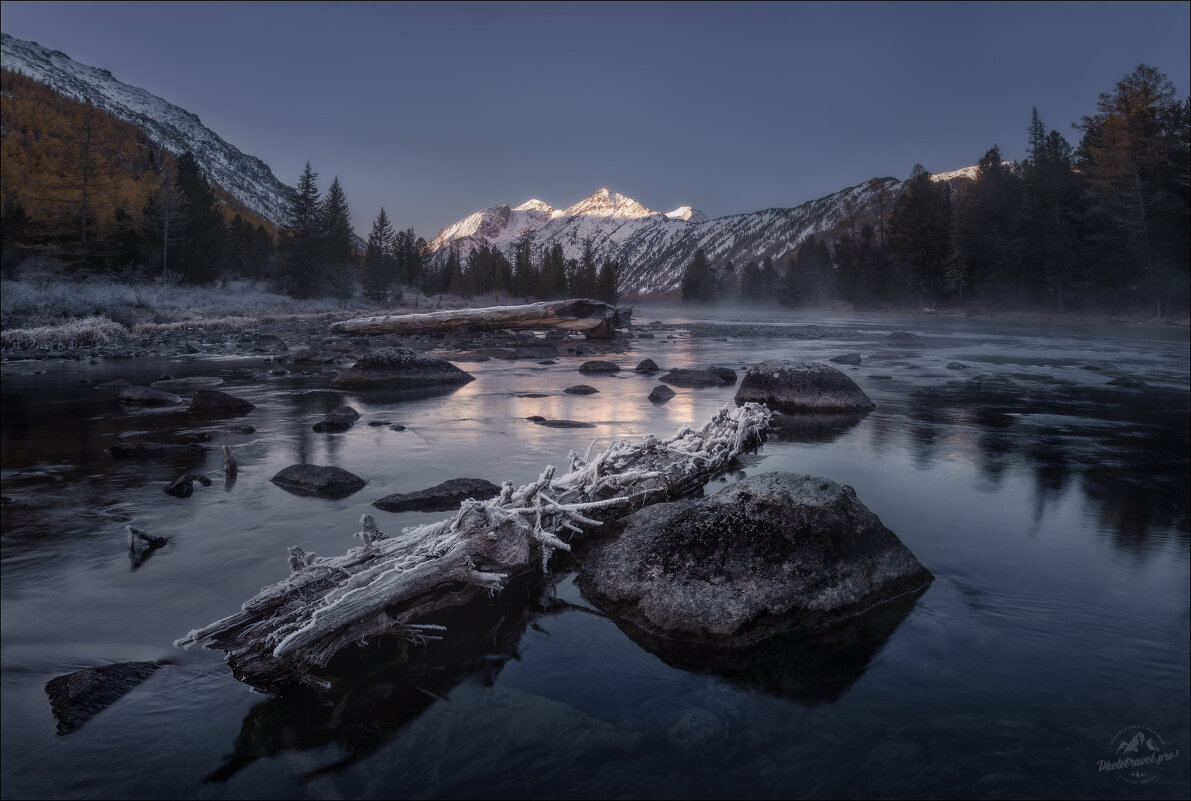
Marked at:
<point>437,110</point>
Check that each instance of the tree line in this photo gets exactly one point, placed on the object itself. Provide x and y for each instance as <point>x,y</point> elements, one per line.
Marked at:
<point>1102,223</point>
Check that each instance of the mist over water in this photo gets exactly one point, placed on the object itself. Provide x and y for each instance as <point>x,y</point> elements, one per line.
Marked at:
<point>1051,505</point>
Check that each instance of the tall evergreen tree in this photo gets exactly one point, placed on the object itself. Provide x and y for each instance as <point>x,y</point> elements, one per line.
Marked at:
<point>608,281</point>
<point>380,267</point>
<point>919,235</point>
<point>165,215</point>
<point>204,257</point>
<point>698,283</point>
<point>1134,155</point>
<point>301,238</point>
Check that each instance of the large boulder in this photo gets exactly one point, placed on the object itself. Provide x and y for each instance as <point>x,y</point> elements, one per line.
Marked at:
<point>442,497</point>
<point>597,366</point>
<point>313,479</point>
<point>397,368</point>
<point>787,386</point>
<point>775,552</point>
<point>213,402</point>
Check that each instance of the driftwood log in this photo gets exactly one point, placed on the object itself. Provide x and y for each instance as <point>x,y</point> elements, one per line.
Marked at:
<point>389,584</point>
<point>594,318</point>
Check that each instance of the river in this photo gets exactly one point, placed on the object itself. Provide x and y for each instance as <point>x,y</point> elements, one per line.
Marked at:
<point>1052,509</point>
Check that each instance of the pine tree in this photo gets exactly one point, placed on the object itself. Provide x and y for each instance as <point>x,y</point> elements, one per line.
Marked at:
<point>300,238</point>
<point>698,284</point>
<point>1134,157</point>
<point>525,274</point>
<point>203,258</point>
<point>608,282</point>
<point>379,270</point>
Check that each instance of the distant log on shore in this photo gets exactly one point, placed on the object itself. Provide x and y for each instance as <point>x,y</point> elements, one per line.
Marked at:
<point>390,585</point>
<point>594,318</point>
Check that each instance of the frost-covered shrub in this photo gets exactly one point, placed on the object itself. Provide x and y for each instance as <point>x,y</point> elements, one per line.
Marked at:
<point>81,333</point>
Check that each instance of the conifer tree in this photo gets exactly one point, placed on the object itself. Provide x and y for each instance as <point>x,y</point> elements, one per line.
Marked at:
<point>165,215</point>
<point>203,258</point>
<point>379,269</point>
<point>300,238</point>
<point>608,282</point>
<point>698,284</point>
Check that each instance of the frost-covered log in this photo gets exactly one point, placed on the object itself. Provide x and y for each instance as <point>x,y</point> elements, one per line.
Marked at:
<point>390,583</point>
<point>583,315</point>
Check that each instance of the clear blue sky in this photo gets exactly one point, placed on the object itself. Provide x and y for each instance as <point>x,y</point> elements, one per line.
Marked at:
<point>437,110</point>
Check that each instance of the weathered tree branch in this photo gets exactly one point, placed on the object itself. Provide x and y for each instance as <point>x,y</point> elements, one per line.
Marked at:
<point>389,583</point>
<point>594,318</point>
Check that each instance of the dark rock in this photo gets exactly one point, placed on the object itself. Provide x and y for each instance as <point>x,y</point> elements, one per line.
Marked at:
<point>136,395</point>
<point>214,402</point>
<point>542,421</point>
<point>313,479</point>
<point>581,389</point>
<point>77,697</point>
<point>533,395</point>
<point>786,386</point>
<point>597,366</point>
<point>440,498</point>
<point>548,361</point>
<point>645,335</point>
<point>903,338</point>
<point>115,383</point>
<point>399,367</point>
<point>773,553</point>
<point>1084,366</point>
<point>341,419</point>
<point>956,366</point>
<point>187,384</point>
<point>698,378</point>
<point>242,429</point>
<point>270,342</point>
<point>847,358</point>
<point>661,393</point>
<point>647,366</point>
<point>1127,381</point>
<point>726,375</point>
<point>378,423</point>
<point>183,485</point>
<point>881,377</point>
<point>188,348</point>
<point>396,427</point>
<point>153,450</point>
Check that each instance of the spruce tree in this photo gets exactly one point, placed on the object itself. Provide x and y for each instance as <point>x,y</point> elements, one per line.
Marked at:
<point>379,265</point>
<point>301,238</point>
<point>698,284</point>
<point>203,258</point>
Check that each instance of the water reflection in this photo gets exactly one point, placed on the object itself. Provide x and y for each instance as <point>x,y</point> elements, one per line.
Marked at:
<point>379,689</point>
<point>809,668</point>
<point>813,427</point>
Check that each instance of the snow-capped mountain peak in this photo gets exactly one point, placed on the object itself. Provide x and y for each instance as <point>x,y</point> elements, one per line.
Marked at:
<point>605,203</point>
<point>687,214</point>
<point>533,204</point>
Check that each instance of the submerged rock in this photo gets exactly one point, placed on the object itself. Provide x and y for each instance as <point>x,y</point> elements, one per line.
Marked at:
<point>153,450</point>
<point>847,358</point>
<point>597,366</point>
<point>137,395</point>
<point>442,497</point>
<point>581,389</point>
<point>542,421</point>
<point>956,366</point>
<point>772,553</point>
<point>647,366</point>
<point>397,368</point>
<point>341,419</point>
<point>903,338</point>
<point>1127,381</point>
<point>214,402</point>
<point>787,386</point>
<point>313,479</point>
<point>693,379</point>
<point>186,384</point>
<point>77,697</point>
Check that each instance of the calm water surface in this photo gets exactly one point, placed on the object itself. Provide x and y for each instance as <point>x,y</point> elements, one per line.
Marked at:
<point>1053,513</point>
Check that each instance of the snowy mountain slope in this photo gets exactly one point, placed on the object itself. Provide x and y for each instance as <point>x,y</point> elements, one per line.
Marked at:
<point>654,248</point>
<point>246,177</point>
